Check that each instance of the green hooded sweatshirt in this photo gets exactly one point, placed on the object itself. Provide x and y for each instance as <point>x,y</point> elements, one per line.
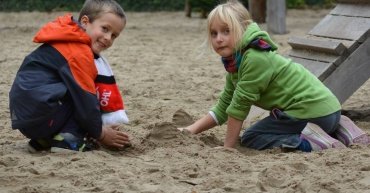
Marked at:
<point>268,80</point>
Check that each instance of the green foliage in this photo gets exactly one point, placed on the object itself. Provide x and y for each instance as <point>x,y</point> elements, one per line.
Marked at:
<point>40,5</point>
<point>152,5</point>
<point>136,5</point>
<point>295,3</point>
<point>299,4</point>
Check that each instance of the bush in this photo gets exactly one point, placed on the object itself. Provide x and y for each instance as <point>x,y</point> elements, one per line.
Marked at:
<point>136,5</point>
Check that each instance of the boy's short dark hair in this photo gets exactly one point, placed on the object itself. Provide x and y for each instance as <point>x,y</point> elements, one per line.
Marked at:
<point>94,8</point>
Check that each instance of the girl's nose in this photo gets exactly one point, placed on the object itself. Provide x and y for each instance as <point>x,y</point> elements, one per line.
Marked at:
<point>219,38</point>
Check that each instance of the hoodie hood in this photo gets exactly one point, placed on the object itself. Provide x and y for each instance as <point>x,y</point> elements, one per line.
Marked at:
<point>62,29</point>
<point>254,32</point>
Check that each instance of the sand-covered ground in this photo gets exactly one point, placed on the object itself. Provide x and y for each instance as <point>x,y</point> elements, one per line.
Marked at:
<point>166,82</point>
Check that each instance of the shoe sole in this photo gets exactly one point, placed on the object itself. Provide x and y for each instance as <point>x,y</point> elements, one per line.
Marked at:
<point>31,150</point>
<point>313,131</point>
<point>349,133</point>
<point>62,150</point>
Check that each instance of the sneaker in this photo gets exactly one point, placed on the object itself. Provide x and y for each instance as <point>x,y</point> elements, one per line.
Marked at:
<point>68,141</point>
<point>348,133</point>
<point>37,145</point>
<point>319,139</point>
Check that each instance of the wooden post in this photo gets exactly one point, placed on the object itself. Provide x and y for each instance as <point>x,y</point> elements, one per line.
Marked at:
<point>276,11</point>
<point>187,8</point>
<point>257,9</point>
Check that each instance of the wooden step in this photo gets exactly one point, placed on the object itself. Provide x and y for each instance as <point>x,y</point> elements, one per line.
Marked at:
<point>352,10</point>
<point>306,43</point>
<point>343,28</point>
<point>320,69</point>
<point>317,56</point>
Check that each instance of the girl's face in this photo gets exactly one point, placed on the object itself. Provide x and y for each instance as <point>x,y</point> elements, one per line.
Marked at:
<point>221,39</point>
<point>103,30</point>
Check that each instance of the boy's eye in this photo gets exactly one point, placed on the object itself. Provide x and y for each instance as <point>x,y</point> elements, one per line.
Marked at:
<point>105,29</point>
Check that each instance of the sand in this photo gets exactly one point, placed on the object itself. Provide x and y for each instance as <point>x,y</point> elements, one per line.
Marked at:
<point>166,82</point>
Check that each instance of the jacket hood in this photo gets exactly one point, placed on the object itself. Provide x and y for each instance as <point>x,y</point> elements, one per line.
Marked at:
<point>253,32</point>
<point>63,28</point>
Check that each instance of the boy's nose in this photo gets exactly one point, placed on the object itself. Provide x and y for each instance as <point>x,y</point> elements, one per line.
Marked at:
<point>108,36</point>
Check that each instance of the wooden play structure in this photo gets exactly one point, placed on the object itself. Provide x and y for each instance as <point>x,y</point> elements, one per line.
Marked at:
<point>337,49</point>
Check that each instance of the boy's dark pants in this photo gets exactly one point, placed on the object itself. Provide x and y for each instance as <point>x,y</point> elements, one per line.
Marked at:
<point>61,122</point>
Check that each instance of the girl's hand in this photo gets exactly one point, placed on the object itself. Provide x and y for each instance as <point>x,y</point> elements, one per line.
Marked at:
<point>112,137</point>
<point>226,149</point>
<point>184,130</point>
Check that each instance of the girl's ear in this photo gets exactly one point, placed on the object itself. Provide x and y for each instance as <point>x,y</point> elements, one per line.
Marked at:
<point>84,21</point>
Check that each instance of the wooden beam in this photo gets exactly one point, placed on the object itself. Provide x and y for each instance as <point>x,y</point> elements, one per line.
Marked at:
<point>351,74</point>
<point>276,12</point>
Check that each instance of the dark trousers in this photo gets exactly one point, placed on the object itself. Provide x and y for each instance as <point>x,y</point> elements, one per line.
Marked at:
<point>282,130</point>
<point>60,122</point>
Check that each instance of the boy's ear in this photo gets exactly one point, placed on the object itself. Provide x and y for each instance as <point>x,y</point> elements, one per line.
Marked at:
<point>84,20</point>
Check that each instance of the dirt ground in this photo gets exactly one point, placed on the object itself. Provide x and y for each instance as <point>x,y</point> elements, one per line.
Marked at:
<point>167,82</point>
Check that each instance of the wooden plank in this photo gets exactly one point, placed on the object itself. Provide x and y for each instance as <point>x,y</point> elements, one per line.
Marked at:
<point>320,69</point>
<point>353,1</point>
<point>351,74</point>
<point>276,12</point>
<point>329,47</point>
<point>353,10</point>
<point>350,45</point>
<point>317,56</point>
<point>342,27</point>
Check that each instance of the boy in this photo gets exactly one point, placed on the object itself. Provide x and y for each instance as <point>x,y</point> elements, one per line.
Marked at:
<point>53,100</point>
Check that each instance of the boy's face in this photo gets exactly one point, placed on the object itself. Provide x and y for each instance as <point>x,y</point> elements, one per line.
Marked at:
<point>103,30</point>
<point>221,39</point>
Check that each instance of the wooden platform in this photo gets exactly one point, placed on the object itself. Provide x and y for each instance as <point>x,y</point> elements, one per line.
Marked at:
<point>337,49</point>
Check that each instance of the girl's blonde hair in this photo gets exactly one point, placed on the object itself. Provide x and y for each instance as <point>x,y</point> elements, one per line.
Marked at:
<point>234,15</point>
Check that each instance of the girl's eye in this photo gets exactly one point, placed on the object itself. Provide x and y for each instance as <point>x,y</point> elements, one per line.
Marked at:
<point>213,34</point>
<point>226,31</point>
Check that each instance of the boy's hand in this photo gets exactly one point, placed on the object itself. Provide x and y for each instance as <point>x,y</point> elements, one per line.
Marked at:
<point>112,137</point>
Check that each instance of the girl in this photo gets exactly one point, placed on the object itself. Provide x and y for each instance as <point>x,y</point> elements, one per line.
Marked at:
<point>257,75</point>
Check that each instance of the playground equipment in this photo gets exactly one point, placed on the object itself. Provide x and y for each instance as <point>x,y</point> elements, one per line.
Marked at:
<point>337,49</point>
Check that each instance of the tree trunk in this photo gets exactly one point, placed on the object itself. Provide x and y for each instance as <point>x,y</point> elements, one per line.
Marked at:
<point>257,9</point>
<point>187,8</point>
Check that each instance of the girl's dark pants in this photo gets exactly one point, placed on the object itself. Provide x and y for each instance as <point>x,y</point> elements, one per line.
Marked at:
<point>282,130</point>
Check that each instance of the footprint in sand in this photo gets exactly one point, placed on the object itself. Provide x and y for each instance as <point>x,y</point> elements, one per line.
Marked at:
<point>164,131</point>
<point>182,118</point>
